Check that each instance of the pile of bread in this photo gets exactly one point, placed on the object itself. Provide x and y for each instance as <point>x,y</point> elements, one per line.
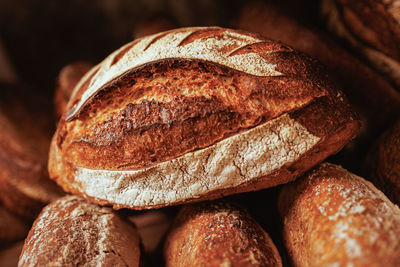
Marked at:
<point>161,146</point>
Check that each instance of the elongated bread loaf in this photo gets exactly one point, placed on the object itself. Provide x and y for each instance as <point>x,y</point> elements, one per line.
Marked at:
<point>383,163</point>
<point>335,218</point>
<point>218,234</point>
<point>193,114</point>
<point>74,232</point>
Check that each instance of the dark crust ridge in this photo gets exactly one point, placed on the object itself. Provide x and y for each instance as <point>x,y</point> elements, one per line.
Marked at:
<point>221,102</point>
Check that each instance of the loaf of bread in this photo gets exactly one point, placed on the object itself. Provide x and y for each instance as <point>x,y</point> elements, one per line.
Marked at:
<point>25,186</point>
<point>194,114</point>
<point>218,234</point>
<point>373,96</point>
<point>67,79</point>
<point>335,218</point>
<point>12,228</point>
<point>372,28</point>
<point>74,232</point>
<point>383,163</point>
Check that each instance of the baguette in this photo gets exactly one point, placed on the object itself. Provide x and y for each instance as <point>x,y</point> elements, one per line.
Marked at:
<point>194,114</point>
<point>218,234</point>
<point>383,163</point>
<point>335,218</point>
<point>74,232</point>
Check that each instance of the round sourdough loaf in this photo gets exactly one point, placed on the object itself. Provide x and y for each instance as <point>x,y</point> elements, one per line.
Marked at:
<point>335,218</point>
<point>218,234</point>
<point>193,114</point>
<point>74,232</point>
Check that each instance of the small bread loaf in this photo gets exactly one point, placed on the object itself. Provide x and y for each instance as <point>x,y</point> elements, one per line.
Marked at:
<point>12,228</point>
<point>74,232</point>
<point>383,163</point>
<point>67,79</point>
<point>218,234</point>
<point>25,187</point>
<point>194,114</point>
<point>372,28</point>
<point>335,218</point>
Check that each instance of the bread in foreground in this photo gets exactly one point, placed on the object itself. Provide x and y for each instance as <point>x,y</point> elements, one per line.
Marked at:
<point>72,231</point>
<point>333,217</point>
<point>195,114</point>
<point>218,234</point>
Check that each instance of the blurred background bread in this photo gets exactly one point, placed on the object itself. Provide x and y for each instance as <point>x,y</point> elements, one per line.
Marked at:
<point>383,163</point>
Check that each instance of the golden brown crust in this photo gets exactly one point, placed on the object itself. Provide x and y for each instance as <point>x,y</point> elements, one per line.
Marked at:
<point>218,234</point>
<point>129,134</point>
<point>68,77</point>
<point>72,232</point>
<point>383,163</point>
<point>333,217</point>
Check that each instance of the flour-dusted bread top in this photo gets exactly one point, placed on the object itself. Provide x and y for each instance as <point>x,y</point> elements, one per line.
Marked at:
<point>335,218</point>
<point>218,234</point>
<point>206,109</point>
<point>74,232</point>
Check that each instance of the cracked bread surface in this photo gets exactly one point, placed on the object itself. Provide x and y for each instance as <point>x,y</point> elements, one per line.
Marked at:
<point>74,232</point>
<point>218,234</point>
<point>143,139</point>
<point>335,218</point>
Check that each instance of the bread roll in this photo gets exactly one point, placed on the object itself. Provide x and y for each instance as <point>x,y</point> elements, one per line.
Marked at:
<point>68,77</point>
<point>335,218</point>
<point>383,163</point>
<point>372,28</point>
<point>194,114</point>
<point>218,234</point>
<point>12,228</point>
<point>74,232</point>
<point>25,186</point>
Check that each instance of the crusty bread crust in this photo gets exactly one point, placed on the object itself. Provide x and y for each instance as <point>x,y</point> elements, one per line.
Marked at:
<point>218,234</point>
<point>74,232</point>
<point>183,129</point>
<point>383,163</point>
<point>333,217</point>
